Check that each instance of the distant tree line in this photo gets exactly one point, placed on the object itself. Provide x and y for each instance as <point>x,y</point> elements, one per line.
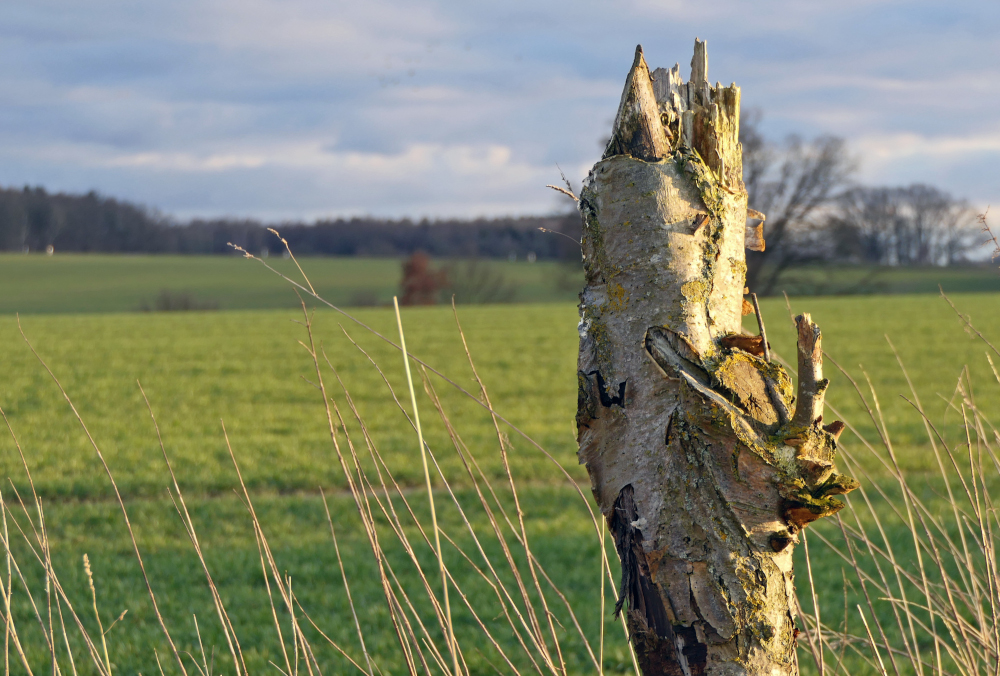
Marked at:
<point>814,212</point>
<point>32,219</point>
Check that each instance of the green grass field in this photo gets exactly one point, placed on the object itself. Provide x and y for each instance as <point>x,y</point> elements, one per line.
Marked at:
<point>826,280</point>
<point>247,369</point>
<point>109,283</point>
<point>244,367</point>
<point>71,283</point>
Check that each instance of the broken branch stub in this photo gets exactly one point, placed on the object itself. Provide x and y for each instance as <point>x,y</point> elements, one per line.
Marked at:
<point>697,452</point>
<point>812,384</point>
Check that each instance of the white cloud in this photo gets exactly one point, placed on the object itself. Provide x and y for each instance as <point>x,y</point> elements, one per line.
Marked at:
<point>435,107</point>
<point>882,149</point>
<point>307,180</point>
<point>188,162</point>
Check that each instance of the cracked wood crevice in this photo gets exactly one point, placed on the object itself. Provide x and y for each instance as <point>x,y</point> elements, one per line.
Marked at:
<point>703,460</point>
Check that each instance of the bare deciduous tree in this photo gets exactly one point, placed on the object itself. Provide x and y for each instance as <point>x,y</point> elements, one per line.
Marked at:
<point>701,458</point>
<point>862,224</point>
<point>789,185</point>
<point>915,225</point>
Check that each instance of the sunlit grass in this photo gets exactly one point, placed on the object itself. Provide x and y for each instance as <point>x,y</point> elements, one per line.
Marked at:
<point>246,368</point>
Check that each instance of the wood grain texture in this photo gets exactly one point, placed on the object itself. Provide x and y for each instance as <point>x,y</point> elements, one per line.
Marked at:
<point>637,130</point>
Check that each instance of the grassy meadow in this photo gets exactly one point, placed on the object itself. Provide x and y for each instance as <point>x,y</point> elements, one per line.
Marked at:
<point>125,283</point>
<point>244,366</point>
<point>74,283</point>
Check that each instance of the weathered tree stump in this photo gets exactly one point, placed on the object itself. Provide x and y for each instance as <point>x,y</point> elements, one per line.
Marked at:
<point>704,463</point>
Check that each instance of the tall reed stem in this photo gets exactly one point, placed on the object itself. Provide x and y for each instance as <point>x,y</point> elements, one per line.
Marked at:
<point>430,489</point>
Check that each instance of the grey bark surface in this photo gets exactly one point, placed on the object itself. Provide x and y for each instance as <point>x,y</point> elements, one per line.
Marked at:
<point>699,458</point>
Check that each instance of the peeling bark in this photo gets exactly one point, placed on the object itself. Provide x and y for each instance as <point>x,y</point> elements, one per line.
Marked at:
<point>701,461</point>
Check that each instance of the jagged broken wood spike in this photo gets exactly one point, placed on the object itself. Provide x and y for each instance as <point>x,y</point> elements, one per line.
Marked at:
<point>683,425</point>
<point>699,63</point>
<point>638,131</point>
<point>811,393</point>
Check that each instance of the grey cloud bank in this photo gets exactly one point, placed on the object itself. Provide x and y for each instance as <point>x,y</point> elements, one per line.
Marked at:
<point>302,109</point>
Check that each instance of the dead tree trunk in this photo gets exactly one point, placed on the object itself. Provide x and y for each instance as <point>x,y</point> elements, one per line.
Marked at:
<point>703,461</point>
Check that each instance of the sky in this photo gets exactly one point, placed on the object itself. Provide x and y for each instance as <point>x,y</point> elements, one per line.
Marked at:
<point>307,109</point>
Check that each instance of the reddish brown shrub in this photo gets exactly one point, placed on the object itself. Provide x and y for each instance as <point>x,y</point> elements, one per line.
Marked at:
<point>421,284</point>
